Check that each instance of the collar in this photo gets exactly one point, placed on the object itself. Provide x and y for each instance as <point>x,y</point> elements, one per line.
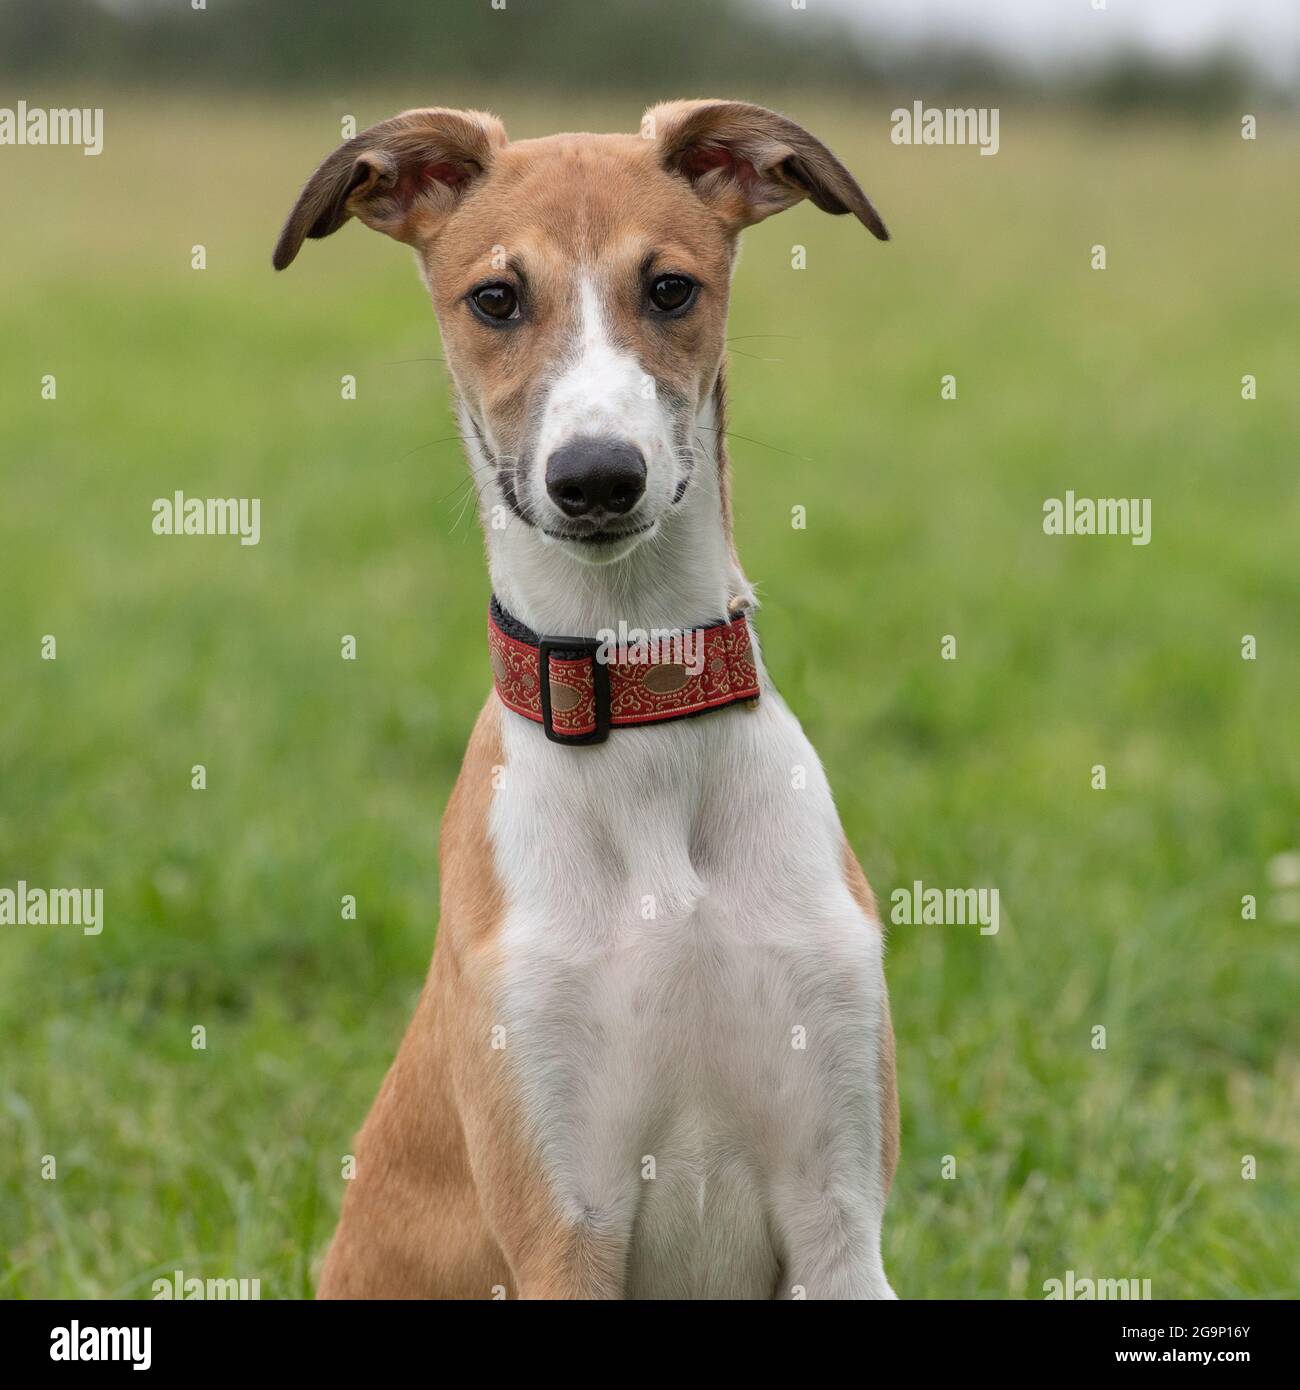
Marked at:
<point>572,689</point>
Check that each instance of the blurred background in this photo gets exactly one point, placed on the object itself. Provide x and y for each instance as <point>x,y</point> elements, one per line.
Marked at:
<point>1121,908</point>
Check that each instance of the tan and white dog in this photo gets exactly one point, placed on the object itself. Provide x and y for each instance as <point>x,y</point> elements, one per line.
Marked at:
<point>653,1057</point>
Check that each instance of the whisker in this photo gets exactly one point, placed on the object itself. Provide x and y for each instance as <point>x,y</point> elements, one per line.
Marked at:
<point>460,516</point>
<point>736,352</point>
<point>429,445</point>
<point>471,477</point>
<point>803,458</point>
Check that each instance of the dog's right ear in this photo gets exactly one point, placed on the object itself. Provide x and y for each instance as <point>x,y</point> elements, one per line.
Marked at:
<point>403,177</point>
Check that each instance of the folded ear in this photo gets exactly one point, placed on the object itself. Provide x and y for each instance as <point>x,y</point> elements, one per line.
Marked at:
<point>747,162</point>
<point>403,176</point>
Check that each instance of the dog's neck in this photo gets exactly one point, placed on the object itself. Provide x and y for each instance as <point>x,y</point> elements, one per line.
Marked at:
<point>684,576</point>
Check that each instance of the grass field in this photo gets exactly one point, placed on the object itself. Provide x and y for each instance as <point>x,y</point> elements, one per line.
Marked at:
<point>1120,908</point>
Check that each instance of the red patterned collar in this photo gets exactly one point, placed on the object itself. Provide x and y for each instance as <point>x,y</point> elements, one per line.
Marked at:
<point>578,688</point>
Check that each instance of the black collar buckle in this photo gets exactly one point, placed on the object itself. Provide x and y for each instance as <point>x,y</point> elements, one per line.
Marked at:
<point>582,646</point>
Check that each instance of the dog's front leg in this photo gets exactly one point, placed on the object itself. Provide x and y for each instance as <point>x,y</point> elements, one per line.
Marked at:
<point>832,1246</point>
<point>581,1257</point>
<point>565,1241</point>
<point>557,1247</point>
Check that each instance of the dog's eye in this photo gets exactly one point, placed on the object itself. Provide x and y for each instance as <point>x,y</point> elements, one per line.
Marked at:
<point>496,302</point>
<point>671,294</point>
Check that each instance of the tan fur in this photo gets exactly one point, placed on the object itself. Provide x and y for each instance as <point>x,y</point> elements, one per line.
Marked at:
<point>411,1225</point>
<point>447,1200</point>
<point>866,900</point>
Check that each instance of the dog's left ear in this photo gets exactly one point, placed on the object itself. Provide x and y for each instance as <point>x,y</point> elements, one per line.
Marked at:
<point>746,162</point>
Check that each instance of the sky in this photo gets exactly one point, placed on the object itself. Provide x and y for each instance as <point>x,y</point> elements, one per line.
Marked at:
<point>1049,33</point>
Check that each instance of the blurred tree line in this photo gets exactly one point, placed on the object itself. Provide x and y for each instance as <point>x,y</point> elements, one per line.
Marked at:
<point>603,43</point>
<point>677,47</point>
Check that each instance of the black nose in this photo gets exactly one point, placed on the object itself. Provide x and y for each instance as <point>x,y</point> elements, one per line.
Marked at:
<point>596,475</point>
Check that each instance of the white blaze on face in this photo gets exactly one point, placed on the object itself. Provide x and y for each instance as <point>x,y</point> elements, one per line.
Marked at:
<point>603,391</point>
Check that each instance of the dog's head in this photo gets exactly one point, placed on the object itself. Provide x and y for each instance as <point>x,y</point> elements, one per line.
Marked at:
<point>581,285</point>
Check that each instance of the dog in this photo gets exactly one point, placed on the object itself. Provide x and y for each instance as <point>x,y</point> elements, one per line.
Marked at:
<point>653,1057</point>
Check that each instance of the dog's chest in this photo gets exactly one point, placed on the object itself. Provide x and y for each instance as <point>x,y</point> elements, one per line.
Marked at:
<point>687,983</point>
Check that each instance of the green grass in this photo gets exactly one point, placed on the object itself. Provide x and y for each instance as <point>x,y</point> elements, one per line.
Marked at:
<point>1121,907</point>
